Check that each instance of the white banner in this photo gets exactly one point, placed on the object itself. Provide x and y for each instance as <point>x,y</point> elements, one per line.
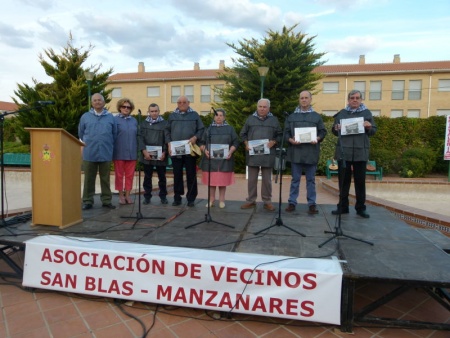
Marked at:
<point>276,286</point>
<point>447,140</point>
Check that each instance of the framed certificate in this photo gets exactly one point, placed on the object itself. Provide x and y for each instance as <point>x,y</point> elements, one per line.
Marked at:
<point>258,147</point>
<point>352,126</point>
<point>305,135</point>
<point>178,148</point>
<point>219,151</point>
<point>155,152</point>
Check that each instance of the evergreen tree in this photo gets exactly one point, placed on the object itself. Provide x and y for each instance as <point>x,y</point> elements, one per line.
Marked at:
<point>291,59</point>
<point>68,90</point>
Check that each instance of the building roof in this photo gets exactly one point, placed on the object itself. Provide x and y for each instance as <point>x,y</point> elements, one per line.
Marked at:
<point>427,66</point>
<point>167,75</point>
<point>8,106</point>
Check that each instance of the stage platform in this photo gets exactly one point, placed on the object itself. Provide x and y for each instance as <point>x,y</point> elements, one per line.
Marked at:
<point>397,254</point>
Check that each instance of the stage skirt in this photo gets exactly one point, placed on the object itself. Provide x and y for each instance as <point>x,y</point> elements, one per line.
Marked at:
<point>218,179</point>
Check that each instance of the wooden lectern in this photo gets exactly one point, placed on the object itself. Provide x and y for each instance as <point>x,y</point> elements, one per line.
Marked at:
<point>55,177</point>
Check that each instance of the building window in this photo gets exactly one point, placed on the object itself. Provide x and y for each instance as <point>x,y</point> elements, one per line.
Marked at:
<point>414,113</point>
<point>361,86</point>
<point>396,113</point>
<point>444,85</point>
<point>331,87</point>
<point>205,113</point>
<point>153,92</point>
<point>175,93</point>
<point>205,95</point>
<point>415,90</point>
<point>329,112</point>
<point>398,90</point>
<point>189,93</point>
<point>116,92</point>
<point>375,90</point>
<point>442,112</point>
<point>217,93</point>
<point>375,112</point>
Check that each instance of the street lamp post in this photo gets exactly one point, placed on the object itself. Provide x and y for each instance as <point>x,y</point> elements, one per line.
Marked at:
<point>262,74</point>
<point>89,76</point>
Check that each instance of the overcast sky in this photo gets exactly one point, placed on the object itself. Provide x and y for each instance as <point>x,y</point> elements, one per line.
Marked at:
<point>174,34</point>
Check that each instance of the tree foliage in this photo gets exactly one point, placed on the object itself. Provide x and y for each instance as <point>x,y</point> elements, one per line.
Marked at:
<point>291,59</point>
<point>68,90</point>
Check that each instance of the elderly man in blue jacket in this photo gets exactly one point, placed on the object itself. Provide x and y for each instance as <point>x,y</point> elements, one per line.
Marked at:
<point>97,130</point>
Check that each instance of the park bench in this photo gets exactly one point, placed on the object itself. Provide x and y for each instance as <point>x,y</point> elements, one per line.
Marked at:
<point>17,159</point>
<point>377,173</point>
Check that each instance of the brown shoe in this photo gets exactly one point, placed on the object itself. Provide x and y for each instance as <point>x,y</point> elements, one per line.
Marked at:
<point>290,208</point>
<point>313,209</point>
<point>269,206</point>
<point>248,205</point>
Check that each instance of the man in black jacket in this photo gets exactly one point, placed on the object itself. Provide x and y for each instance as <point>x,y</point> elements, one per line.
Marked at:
<point>352,149</point>
<point>304,151</point>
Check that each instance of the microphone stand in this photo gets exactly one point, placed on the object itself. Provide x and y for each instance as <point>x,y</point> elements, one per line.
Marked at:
<point>139,215</point>
<point>208,218</point>
<point>337,233</point>
<point>281,154</point>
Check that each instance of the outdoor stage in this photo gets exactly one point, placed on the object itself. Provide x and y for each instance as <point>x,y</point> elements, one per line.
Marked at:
<point>400,256</point>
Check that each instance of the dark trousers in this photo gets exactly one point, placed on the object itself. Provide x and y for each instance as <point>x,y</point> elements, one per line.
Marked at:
<point>162,181</point>
<point>359,181</point>
<point>190,164</point>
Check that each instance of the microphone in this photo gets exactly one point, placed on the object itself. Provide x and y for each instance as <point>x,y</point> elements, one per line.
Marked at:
<point>46,103</point>
<point>139,111</point>
<point>215,112</point>
<point>286,113</point>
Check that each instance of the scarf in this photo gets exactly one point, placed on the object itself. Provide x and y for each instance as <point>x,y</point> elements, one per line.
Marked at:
<point>177,111</point>
<point>214,124</point>
<point>151,121</point>
<point>260,117</point>
<point>357,110</point>
<point>104,111</point>
<point>299,110</point>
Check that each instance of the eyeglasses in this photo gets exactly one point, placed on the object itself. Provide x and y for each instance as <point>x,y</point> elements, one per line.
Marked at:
<point>125,107</point>
<point>355,98</point>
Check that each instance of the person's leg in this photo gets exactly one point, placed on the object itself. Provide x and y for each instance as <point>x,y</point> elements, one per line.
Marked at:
<point>266,185</point>
<point>222,191</point>
<point>178,184</point>
<point>162,182</point>
<point>147,185</point>
<point>129,170</point>
<point>345,179</point>
<point>191,178</point>
<point>90,174</point>
<point>119,169</point>
<point>294,190</point>
<point>252,184</point>
<point>310,174</point>
<point>104,174</point>
<point>212,193</point>
<point>359,179</point>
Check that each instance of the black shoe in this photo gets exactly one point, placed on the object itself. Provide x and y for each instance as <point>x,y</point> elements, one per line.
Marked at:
<point>109,206</point>
<point>191,204</point>
<point>339,212</point>
<point>87,206</point>
<point>176,203</point>
<point>146,201</point>
<point>313,210</point>
<point>164,201</point>
<point>363,214</point>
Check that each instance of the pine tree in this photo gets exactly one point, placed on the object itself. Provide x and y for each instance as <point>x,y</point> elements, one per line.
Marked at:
<point>68,90</point>
<point>291,59</point>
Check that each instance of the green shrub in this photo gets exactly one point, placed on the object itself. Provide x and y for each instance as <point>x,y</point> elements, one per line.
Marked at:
<point>417,162</point>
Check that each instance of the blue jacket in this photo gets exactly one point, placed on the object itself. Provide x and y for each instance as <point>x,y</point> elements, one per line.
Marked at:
<point>125,147</point>
<point>98,134</point>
